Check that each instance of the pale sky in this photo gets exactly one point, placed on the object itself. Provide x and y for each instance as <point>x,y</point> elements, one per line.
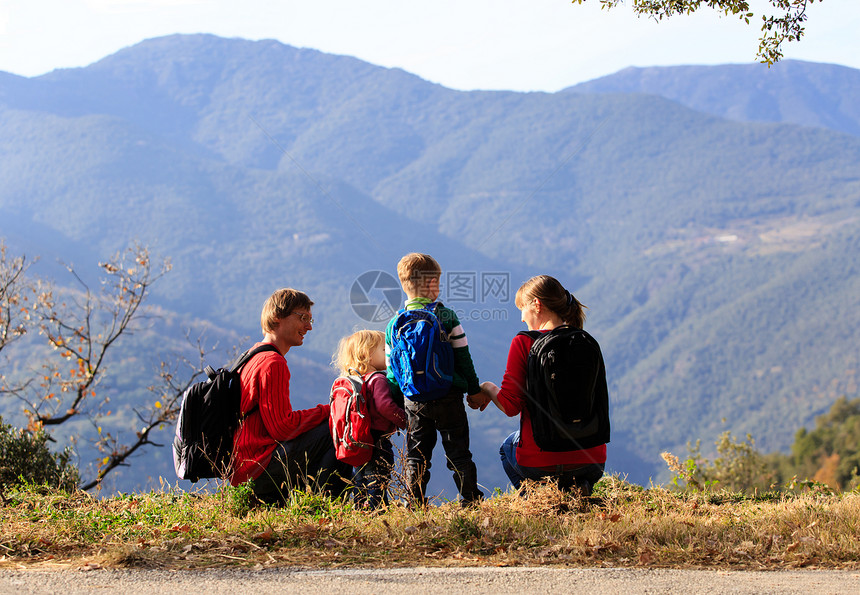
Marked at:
<point>522,45</point>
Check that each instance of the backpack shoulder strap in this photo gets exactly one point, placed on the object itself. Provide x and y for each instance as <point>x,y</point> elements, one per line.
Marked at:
<point>354,379</point>
<point>443,315</point>
<point>535,335</point>
<point>245,357</point>
<point>397,320</point>
<point>365,380</point>
<point>367,377</point>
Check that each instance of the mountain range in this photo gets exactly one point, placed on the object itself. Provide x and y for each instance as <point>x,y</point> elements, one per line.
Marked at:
<point>809,94</point>
<point>707,216</point>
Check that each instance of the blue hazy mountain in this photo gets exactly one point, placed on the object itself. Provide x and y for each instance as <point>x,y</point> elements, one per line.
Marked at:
<point>810,94</point>
<point>716,253</point>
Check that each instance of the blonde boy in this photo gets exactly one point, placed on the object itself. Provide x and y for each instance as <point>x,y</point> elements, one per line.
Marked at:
<point>419,276</point>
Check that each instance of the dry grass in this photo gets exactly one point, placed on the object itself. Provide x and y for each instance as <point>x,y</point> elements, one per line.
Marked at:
<point>622,525</point>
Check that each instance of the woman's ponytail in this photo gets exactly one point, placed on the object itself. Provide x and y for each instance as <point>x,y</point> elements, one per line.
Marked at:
<point>554,296</point>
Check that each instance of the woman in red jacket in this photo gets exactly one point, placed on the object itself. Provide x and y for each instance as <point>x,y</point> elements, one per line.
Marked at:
<point>545,305</point>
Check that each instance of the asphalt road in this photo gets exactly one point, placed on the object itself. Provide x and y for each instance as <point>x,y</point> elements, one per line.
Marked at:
<point>427,581</point>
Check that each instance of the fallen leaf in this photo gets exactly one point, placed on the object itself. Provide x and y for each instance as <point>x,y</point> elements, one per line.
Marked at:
<point>792,546</point>
<point>612,547</point>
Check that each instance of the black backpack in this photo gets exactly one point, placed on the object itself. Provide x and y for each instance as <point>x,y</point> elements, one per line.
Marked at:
<point>566,392</point>
<point>208,417</point>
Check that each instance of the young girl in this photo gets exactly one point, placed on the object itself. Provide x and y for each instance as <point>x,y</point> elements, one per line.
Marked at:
<point>363,354</point>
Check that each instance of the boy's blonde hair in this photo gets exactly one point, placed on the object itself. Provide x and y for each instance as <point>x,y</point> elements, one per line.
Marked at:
<point>354,351</point>
<point>280,305</point>
<point>414,268</point>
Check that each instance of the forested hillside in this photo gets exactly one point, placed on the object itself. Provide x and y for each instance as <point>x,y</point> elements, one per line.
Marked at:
<point>717,257</point>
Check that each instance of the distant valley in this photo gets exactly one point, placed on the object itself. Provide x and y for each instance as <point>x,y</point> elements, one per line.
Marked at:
<point>712,235</point>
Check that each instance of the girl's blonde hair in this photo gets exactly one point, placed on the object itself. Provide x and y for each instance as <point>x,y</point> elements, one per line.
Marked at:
<point>354,351</point>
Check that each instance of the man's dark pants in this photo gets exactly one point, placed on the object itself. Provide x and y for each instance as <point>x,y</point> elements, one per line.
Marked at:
<point>307,461</point>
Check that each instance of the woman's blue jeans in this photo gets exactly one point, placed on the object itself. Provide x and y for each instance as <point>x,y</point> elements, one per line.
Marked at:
<point>583,477</point>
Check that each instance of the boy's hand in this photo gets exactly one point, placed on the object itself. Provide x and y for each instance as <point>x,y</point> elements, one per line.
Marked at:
<point>478,400</point>
<point>491,393</point>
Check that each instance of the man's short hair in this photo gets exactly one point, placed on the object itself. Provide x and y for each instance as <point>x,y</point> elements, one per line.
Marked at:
<point>281,304</point>
<point>414,268</point>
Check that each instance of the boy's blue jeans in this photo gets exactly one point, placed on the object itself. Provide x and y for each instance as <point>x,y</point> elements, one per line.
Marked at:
<point>583,477</point>
<point>447,416</point>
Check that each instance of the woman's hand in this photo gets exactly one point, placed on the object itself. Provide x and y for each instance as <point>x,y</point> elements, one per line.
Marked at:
<point>482,399</point>
<point>490,389</point>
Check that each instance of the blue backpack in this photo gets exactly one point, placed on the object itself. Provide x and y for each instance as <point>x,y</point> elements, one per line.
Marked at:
<point>421,357</point>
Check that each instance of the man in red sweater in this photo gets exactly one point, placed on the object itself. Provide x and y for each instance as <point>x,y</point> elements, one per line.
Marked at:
<point>277,447</point>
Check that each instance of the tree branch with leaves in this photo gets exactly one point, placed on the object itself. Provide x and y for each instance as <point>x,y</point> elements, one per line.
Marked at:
<point>783,22</point>
<point>17,298</point>
<point>82,326</point>
<point>163,410</point>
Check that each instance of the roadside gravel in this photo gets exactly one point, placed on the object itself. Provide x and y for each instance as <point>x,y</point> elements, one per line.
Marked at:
<point>427,581</point>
